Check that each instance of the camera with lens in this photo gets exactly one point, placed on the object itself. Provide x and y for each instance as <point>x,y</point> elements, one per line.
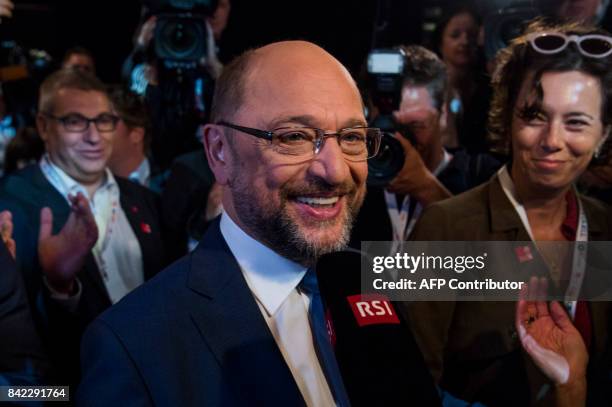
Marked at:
<point>180,38</point>
<point>385,69</point>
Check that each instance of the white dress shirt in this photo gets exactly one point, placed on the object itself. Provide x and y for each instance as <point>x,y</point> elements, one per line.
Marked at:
<point>274,280</point>
<point>117,251</point>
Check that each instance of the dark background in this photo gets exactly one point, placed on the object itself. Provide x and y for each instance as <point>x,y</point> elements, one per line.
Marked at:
<point>106,27</point>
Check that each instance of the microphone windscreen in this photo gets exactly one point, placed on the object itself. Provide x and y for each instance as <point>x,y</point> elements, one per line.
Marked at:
<point>378,357</point>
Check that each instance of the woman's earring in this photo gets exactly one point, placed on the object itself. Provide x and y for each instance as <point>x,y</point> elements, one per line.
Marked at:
<point>596,153</point>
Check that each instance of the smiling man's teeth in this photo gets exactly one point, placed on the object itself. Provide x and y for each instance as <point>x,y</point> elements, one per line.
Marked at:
<point>317,201</point>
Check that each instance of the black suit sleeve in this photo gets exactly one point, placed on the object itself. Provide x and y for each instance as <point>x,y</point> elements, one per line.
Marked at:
<point>110,376</point>
<point>22,360</point>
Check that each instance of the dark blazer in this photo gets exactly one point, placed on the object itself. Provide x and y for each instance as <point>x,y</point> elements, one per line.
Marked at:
<point>184,200</point>
<point>29,190</point>
<point>472,348</point>
<point>22,360</point>
<point>192,336</point>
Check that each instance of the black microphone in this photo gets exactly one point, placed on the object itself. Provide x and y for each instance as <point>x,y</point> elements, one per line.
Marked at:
<point>379,360</point>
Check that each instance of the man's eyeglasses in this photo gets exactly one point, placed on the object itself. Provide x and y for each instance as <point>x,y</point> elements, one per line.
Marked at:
<point>77,123</point>
<point>591,45</point>
<point>357,143</point>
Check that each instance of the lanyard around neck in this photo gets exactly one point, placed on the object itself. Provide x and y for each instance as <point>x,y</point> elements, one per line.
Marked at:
<point>399,216</point>
<point>580,247</point>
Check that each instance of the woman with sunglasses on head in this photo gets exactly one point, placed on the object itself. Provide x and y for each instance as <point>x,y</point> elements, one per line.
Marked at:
<point>552,110</point>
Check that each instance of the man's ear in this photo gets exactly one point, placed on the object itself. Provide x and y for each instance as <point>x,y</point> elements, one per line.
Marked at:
<point>41,127</point>
<point>137,134</point>
<point>217,152</point>
<point>444,115</point>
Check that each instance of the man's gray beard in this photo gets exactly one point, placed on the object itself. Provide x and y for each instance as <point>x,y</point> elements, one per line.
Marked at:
<point>280,233</point>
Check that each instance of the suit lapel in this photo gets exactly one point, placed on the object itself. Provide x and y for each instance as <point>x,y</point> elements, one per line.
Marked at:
<point>44,192</point>
<point>145,227</point>
<point>230,322</point>
<point>524,258</point>
<point>505,222</point>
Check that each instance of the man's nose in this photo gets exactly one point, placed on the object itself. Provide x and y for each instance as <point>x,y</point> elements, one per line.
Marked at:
<point>92,134</point>
<point>329,163</point>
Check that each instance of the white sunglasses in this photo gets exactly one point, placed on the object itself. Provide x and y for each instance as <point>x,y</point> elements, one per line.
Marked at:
<point>590,45</point>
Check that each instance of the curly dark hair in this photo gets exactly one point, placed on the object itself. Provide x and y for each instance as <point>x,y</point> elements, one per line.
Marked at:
<point>519,62</point>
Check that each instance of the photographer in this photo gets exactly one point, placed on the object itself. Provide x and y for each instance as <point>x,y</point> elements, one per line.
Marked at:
<point>430,172</point>
<point>174,65</point>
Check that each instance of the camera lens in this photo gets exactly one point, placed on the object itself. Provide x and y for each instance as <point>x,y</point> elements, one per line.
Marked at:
<point>387,163</point>
<point>180,39</point>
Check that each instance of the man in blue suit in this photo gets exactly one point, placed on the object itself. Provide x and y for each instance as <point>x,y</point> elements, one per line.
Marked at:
<point>234,322</point>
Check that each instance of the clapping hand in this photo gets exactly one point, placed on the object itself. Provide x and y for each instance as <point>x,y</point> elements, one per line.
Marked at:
<point>6,232</point>
<point>63,255</point>
<point>551,340</point>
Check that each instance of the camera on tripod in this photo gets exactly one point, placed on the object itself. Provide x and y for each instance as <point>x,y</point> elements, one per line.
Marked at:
<point>181,38</point>
<point>385,82</point>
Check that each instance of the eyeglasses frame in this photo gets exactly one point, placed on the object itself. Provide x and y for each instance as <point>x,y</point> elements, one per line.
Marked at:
<point>319,141</point>
<point>62,120</point>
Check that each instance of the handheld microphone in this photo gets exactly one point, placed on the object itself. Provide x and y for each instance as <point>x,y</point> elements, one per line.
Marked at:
<point>379,360</point>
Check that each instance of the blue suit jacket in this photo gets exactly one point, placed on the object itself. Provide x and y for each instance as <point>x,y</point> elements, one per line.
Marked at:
<point>192,336</point>
<point>22,360</point>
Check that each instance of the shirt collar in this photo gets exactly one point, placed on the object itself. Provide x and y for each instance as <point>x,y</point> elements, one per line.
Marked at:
<point>270,276</point>
<point>141,174</point>
<point>446,159</point>
<point>569,227</point>
<point>69,185</point>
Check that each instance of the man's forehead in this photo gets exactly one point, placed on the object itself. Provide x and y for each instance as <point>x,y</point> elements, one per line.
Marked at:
<point>81,95</point>
<point>78,99</point>
<point>285,62</point>
<point>297,78</point>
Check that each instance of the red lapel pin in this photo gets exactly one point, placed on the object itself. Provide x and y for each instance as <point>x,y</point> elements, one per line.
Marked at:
<point>145,227</point>
<point>523,253</point>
